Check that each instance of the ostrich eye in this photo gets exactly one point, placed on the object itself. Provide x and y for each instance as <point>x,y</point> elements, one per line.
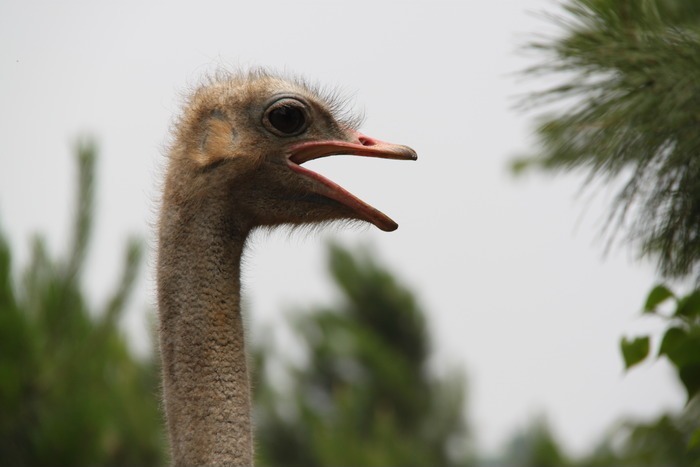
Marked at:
<point>286,118</point>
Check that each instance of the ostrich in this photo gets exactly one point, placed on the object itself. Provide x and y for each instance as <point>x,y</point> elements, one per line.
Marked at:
<point>234,165</point>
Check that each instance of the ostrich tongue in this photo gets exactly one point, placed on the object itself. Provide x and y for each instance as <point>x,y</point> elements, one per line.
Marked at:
<point>360,145</point>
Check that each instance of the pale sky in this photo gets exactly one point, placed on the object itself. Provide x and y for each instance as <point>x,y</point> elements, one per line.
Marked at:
<point>510,271</point>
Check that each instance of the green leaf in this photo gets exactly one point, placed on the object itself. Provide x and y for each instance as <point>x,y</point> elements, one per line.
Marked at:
<point>689,306</point>
<point>690,376</point>
<point>694,439</point>
<point>657,296</point>
<point>682,348</point>
<point>634,351</point>
<point>672,341</point>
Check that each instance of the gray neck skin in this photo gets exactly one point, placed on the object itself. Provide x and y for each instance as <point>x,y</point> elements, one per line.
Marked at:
<point>205,376</point>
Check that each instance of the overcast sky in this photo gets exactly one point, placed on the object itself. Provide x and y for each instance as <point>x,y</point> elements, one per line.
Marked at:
<point>509,270</point>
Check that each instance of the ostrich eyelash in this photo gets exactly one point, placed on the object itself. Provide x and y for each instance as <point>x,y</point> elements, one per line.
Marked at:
<point>337,101</point>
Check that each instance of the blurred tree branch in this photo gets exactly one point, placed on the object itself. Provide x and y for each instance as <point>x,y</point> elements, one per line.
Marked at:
<point>71,393</point>
<point>628,108</point>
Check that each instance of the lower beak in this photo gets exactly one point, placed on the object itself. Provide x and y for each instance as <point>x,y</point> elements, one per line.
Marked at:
<point>360,145</point>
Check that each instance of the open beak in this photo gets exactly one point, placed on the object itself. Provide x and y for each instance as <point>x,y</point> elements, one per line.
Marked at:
<point>362,146</point>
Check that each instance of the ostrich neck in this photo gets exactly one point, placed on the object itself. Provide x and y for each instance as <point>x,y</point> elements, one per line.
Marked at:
<point>205,376</point>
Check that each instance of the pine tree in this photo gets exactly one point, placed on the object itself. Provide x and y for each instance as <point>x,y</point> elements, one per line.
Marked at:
<point>630,88</point>
<point>627,109</point>
<point>365,395</point>
<point>71,392</point>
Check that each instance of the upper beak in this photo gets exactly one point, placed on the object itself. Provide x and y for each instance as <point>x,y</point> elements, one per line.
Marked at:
<point>360,145</point>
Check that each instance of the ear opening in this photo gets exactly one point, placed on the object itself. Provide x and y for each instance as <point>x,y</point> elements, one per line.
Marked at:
<point>216,138</point>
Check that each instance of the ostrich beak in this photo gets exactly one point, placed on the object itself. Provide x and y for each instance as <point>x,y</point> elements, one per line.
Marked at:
<point>360,145</point>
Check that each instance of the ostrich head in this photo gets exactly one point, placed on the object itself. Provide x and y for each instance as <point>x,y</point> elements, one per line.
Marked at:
<point>243,140</point>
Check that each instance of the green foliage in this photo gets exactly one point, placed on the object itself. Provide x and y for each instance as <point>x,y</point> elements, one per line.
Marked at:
<point>665,441</point>
<point>657,296</point>
<point>634,351</point>
<point>364,394</point>
<point>681,341</point>
<point>669,440</point>
<point>631,81</point>
<point>626,111</point>
<point>71,393</point>
<point>535,446</point>
<point>672,439</point>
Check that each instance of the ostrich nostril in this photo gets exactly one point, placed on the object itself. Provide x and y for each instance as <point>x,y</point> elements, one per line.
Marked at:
<point>366,141</point>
